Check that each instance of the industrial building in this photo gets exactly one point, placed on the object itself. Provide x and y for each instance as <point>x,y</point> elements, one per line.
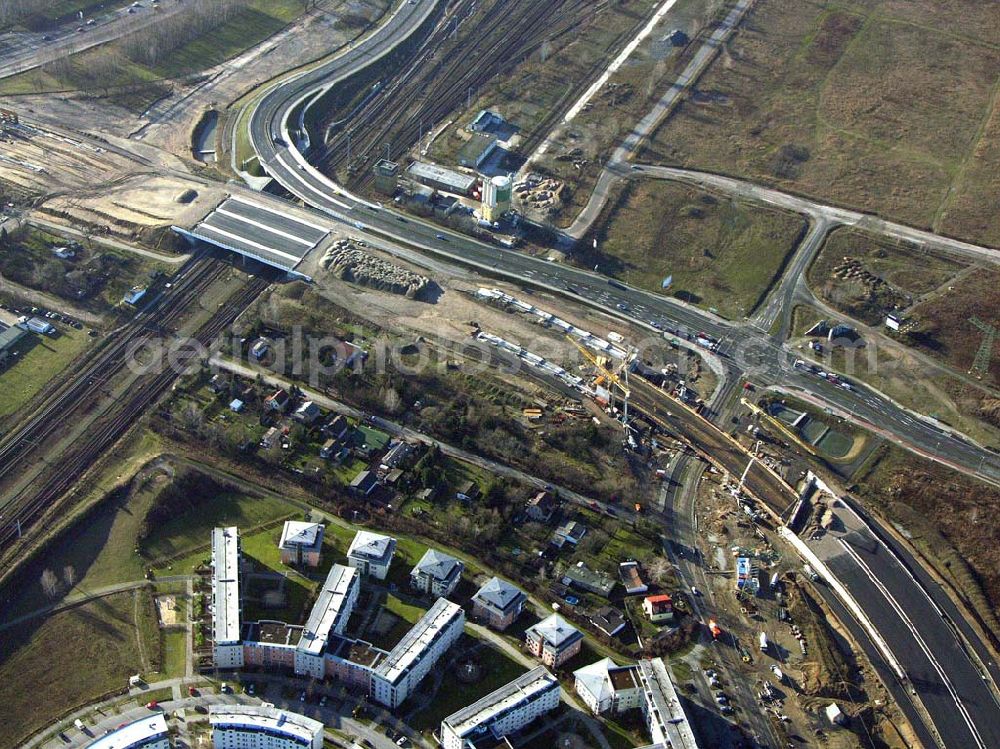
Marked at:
<point>553,640</point>
<point>436,573</point>
<point>508,709</point>
<point>446,180</point>
<point>226,647</point>
<point>301,543</point>
<point>371,554</point>
<point>148,733</point>
<point>498,603</point>
<point>409,662</point>
<point>9,338</point>
<point>477,150</point>
<point>497,197</point>
<point>258,727</point>
<point>328,617</point>
<point>386,176</point>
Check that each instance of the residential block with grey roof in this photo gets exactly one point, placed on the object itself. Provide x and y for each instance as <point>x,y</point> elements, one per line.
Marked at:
<point>498,603</point>
<point>301,543</point>
<point>508,709</point>
<point>371,554</point>
<point>436,573</point>
<point>553,640</point>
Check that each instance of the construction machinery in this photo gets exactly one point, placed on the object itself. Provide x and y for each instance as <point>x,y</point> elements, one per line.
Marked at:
<point>765,416</point>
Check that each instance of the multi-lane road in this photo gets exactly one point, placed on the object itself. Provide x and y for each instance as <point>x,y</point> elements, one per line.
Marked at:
<point>744,349</point>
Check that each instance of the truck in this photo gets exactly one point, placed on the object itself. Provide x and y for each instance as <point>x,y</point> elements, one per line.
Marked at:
<point>810,573</point>
<point>763,642</point>
<point>714,628</point>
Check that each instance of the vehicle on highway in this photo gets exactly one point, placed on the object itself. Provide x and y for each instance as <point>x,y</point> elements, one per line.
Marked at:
<point>695,591</point>
<point>442,237</point>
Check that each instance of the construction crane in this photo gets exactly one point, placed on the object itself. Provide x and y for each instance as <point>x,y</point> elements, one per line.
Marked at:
<point>761,413</point>
<point>981,364</point>
<point>613,379</point>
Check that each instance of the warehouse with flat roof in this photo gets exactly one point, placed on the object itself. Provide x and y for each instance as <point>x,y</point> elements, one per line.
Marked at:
<point>440,178</point>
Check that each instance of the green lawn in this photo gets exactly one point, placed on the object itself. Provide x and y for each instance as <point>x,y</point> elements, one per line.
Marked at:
<point>96,649</point>
<point>723,254</point>
<point>39,359</point>
<point>190,533</point>
<point>497,670</point>
<point>174,653</point>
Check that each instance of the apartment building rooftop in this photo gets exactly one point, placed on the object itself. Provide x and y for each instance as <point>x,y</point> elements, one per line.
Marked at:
<point>417,642</point>
<point>329,609</point>
<point>226,584</point>
<point>504,699</point>
<point>260,718</point>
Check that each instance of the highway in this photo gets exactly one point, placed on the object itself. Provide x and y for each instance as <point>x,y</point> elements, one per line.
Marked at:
<point>743,349</point>
<point>21,52</point>
<point>746,349</point>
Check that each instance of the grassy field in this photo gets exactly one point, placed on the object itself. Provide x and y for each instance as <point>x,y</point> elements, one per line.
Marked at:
<point>909,273</point>
<point>497,670</point>
<point>97,647</point>
<point>39,359</point>
<point>945,329</point>
<point>187,532</point>
<point>947,516</point>
<point>109,67</point>
<point>722,253</point>
<point>866,104</point>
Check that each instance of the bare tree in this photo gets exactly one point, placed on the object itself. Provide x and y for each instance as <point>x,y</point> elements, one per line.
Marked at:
<point>69,575</point>
<point>659,569</point>
<point>50,583</point>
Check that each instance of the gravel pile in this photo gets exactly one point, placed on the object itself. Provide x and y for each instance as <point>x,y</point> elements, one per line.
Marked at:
<point>357,266</point>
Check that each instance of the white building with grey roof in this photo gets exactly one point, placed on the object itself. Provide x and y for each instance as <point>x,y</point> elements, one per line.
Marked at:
<point>409,662</point>
<point>498,603</point>
<point>259,727</point>
<point>148,733</point>
<point>665,717</point>
<point>554,640</point>
<point>436,573</point>
<point>226,647</point>
<point>301,543</point>
<point>329,616</point>
<point>508,709</point>
<point>371,554</point>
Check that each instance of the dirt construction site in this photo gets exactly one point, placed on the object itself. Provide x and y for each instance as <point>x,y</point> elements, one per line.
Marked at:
<point>786,644</point>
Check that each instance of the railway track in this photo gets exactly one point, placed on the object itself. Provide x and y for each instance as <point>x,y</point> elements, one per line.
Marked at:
<point>33,503</point>
<point>434,84</point>
<point>714,445</point>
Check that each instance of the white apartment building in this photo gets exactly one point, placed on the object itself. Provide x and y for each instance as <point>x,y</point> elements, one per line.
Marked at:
<point>664,714</point>
<point>227,649</point>
<point>607,688</point>
<point>148,733</point>
<point>504,711</point>
<point>328,617</point>
<point>409,662</point>
<point>371,554</point>
<point>254,727</point>
<point>436,573</point>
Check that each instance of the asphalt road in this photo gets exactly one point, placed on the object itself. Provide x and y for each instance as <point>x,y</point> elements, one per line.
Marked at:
<point>743,348</point>
<point>942,674</point>
<point>21,52</point>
